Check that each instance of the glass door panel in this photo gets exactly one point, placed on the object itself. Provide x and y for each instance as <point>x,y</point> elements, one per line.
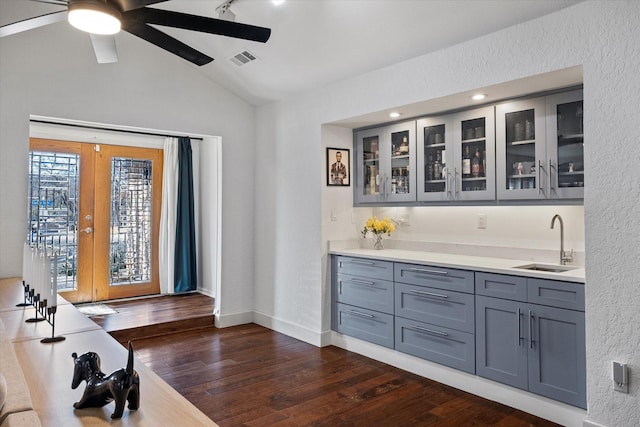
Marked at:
<point>521,150</point>
<point>434,158</point>
<point>474,156</point>
<point>371,165</point>
<point>400,166</point>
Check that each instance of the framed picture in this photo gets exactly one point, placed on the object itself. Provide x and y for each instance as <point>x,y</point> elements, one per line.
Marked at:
<point>338,167</point>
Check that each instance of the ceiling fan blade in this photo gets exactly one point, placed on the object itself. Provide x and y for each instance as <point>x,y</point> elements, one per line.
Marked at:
<point>166,42</point>
<point>127,5</point>
<point>105,48</point>
<point>58,2</point>
<point>202,24</point>
<point>31,23</point>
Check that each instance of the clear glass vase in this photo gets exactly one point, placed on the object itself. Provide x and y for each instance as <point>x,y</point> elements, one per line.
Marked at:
<point>377,241</point>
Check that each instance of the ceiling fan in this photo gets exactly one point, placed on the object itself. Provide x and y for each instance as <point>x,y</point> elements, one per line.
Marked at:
<point>134,17</point>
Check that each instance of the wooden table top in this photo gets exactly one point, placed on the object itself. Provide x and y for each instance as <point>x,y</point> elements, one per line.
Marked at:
<point>48,369</point>
<point>68,321</point>
<point>12,293</point>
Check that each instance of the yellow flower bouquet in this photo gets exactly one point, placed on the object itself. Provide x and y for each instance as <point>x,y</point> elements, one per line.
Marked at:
<point>378,227</point>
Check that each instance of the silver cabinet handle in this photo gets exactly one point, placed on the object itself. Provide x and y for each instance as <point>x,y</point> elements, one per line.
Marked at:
<point>519,327</point>
<point>88,230</point>
<point>455,182</point>
<point>531,319</point>
<point>446,181</point>
<point>428,331</point>
<point>550,178</point>
<point>360,262</point>
<point>424,270</point>
<point>540,189</point>
<point>359,282</point>
<point>431,294</point>
<point>357,313</point>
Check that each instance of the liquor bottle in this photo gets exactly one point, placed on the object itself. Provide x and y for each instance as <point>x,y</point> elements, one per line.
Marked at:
<point>466,163</point>
<point>476,164</point>
<point>430,168</point>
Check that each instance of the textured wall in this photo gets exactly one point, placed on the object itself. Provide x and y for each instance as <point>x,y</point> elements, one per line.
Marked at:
<point>600,35</point>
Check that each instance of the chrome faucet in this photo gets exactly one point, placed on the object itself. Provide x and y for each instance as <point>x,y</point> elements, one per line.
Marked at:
<point>564,257</point>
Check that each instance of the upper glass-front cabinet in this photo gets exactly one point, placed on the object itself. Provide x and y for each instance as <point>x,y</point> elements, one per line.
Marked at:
<point>539,146</point>
<point>385,159</point>
<point>520,150</point>
<point>565,144</point>
<point>456,156</point>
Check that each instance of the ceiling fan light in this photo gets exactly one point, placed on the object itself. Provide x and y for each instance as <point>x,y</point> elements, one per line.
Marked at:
<point>94,16</point>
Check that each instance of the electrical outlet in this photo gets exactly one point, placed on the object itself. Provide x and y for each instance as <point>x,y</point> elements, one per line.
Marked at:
<point>620,377</point>
<point>482,221</point>
<point>333,216</point>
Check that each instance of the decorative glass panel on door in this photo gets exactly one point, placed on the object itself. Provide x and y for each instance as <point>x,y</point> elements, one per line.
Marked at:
<point>570,150</point>
<point>131,221</point>
<point>521,152</point>
<point>474,155</point>
<point>53,210</point>
<point>400,166</point>
<point>371,166</point>
<point>434,159</point>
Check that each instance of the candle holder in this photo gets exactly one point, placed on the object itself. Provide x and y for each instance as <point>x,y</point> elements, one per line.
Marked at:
<point>25,292</point>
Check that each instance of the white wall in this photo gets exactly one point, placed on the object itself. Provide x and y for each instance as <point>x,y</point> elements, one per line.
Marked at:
<point>52,72</point>
<point>600,35</point>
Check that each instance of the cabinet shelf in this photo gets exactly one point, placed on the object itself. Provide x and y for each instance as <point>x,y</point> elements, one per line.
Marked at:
<point>473,178</point>
<point>574,173</point>
<point>572,137</point>
<point>473,140</point>
<point>434,181</point>
<point>400,157</point>
<point>523,176</point>
<point>523,142</point>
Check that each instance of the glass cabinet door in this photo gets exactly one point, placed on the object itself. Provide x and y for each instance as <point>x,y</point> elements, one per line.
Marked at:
<point>434,134</point>
<point>400,180</point>
<point>386,164</point>
<point>475,155</point>
<point>566,145</point>
<point>522,168</point>
<point>368,182</point>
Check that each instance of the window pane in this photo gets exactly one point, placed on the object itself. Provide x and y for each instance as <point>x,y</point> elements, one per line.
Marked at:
<point>130,233</point>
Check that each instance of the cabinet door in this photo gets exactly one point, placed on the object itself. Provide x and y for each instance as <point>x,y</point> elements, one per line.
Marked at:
<point>368,325</point>
<point>435,156</point>
<point>557,362</point>
<point>364,292</point>
<point>521,160</point>
<point>501,341</point>
<point>385,162</point>
<point>474,163</point>
<point>370,165</point>
<point>565,143</point>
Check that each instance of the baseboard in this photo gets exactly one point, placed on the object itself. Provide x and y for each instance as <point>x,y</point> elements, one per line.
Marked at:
<point>288,328</point>
<point>588,423</point>
<point>207,292</point>
<point>539,406</point>
<point>233,319</point>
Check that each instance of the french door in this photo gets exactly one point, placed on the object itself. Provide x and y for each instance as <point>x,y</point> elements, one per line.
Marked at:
<point>97,209</point>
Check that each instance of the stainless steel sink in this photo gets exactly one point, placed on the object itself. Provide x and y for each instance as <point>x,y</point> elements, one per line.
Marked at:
<point>553,268</point>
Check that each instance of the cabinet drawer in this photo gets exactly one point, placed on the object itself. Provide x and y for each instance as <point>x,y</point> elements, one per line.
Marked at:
<point>365,324</point>
<point>556,294</point>
<point>377,269</point>
<point>365,292</point>
<point>435,277</point>
<point>441,307</point>
<point>441,345</point>
<point>502,286</point>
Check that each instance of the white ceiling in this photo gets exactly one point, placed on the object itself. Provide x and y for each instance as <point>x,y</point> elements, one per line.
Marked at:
<point>316,42</point>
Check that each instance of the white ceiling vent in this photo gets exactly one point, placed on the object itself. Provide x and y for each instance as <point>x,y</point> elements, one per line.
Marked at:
<point>243,58</point>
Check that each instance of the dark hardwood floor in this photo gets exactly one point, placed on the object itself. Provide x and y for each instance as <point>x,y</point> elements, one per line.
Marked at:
<point>251,376</point>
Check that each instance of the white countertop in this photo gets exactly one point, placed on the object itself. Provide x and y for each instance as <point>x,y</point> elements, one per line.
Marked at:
<point>476,263</point>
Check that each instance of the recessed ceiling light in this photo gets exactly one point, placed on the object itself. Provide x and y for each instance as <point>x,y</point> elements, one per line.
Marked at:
<point>277,2</point>
<point>479,96</point>
<point>394,114</point>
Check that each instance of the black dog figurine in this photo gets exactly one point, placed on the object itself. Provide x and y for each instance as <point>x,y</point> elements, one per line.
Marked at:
<point>122,386</point>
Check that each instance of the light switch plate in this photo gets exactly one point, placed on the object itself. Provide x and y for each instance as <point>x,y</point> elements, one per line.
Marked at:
<point>620,377</point>
<point>482,221</point>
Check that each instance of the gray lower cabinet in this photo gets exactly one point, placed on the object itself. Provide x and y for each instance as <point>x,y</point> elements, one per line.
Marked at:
<point>535,347</point>
<point>524,332</point>
<point>363,299</point>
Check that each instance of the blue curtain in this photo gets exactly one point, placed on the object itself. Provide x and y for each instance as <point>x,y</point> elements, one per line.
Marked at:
<point>185,272</point>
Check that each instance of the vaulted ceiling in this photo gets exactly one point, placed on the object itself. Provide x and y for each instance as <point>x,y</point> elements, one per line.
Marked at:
<point>316,42</point>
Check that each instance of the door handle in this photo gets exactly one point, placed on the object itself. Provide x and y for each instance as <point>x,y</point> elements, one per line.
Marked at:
<point>531,320</point>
